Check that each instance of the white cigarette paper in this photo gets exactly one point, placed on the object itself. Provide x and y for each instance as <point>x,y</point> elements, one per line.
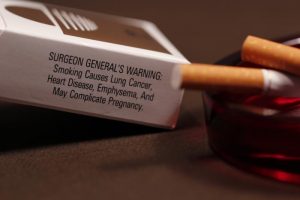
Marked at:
<point>280,84</point>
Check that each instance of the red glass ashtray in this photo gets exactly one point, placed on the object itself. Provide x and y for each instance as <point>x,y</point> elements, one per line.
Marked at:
<point>259,134</point>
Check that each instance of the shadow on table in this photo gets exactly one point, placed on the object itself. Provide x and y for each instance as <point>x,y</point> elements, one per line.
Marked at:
<point>29,127</point>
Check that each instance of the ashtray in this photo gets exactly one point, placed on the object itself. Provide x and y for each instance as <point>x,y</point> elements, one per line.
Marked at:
<point>260,134</point>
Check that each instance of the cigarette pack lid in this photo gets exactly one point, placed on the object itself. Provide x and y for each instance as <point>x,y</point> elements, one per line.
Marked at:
<point>57,22</point>
<point>2,25</point>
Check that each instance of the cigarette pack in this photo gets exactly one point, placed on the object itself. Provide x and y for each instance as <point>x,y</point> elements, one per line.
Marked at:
<point>88,63</point>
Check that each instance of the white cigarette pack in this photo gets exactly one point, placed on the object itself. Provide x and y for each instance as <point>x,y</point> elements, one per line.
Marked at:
<point>87,63</point>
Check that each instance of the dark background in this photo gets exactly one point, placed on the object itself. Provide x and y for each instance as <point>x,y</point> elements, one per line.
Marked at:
<point>54,155</point>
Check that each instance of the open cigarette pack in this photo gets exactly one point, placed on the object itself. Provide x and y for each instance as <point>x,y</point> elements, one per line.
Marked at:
<point>87,63</point>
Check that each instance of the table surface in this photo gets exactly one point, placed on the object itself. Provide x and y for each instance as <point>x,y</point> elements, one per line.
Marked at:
<point>48,154</point>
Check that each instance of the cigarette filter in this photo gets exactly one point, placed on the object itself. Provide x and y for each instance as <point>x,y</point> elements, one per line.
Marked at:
<point>271,55</point>
<point>87,63</point>
<point>236,80</point>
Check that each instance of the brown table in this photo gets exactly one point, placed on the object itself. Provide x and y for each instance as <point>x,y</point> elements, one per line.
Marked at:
<point>54,155</point>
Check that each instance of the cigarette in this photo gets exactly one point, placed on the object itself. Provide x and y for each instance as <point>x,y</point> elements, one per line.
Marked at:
<point>235,80</point>
<point>271,55</point>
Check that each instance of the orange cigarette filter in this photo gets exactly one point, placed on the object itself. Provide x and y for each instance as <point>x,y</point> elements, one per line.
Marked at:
<point>216,78</point>
<point>271,55</point>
